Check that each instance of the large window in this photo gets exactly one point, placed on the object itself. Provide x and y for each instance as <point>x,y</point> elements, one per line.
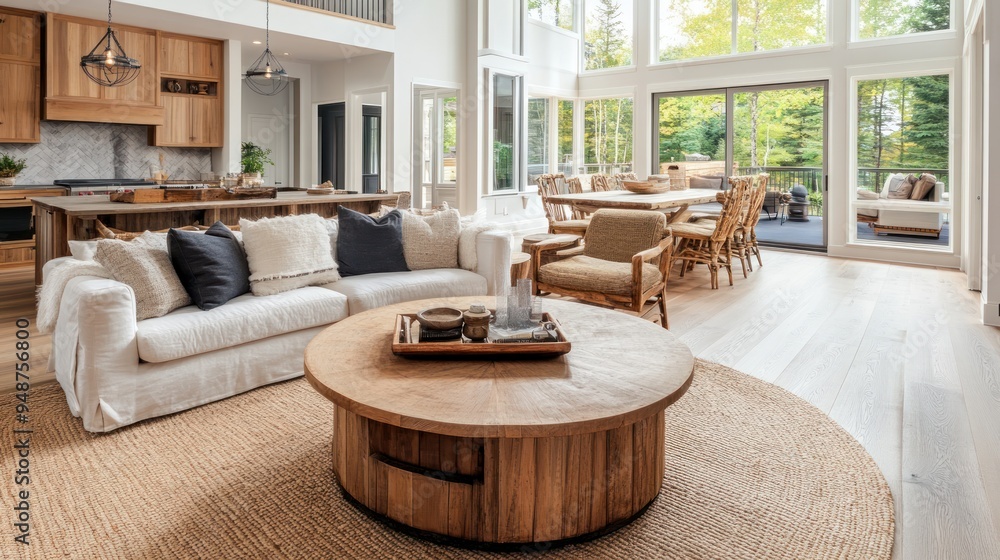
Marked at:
<point>903,128</point>
<point>550,137</point>
<point>505,147</point>
<point>887,18</point>
<point>608,34</point>
<point>539,139</point>
<point>559,13</point>
<point>607,133</point>
<point>703,28</point>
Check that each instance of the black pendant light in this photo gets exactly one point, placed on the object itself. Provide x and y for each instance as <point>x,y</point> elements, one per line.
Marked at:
<point>266,76</point>
<point>107,64</point>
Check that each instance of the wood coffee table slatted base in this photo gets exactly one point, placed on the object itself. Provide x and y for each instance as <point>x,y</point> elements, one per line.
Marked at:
<point>500,493</point>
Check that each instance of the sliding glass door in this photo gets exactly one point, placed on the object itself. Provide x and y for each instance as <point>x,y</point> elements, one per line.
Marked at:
<point>704,137</point>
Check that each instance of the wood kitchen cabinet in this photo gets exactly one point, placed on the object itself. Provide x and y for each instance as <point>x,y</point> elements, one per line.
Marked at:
<point>190,91</point>
<point>182,56</point>
<point>70,95</point>
<point>20,76</point>
<point>191,120</point>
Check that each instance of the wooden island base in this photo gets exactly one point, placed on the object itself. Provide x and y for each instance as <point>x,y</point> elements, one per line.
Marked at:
<point>500,493</point>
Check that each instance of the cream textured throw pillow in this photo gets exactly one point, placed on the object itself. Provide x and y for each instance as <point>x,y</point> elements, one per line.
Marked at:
<point>468,257</point>
<point>431,241</point>
<point>288,252</point>
<point>144,265</point>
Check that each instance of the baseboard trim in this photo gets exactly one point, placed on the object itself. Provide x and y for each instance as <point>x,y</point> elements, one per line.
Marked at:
<point>991,313</point>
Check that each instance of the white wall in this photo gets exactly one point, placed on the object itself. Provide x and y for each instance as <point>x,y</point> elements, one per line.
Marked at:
<point>349,81</point>
<point>991,157</point>
<point>435,54</point>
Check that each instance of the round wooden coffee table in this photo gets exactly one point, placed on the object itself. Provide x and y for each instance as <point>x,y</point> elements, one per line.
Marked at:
<point>499,454</point>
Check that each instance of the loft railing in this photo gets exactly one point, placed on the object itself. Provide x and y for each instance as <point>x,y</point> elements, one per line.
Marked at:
<point>377,11</point>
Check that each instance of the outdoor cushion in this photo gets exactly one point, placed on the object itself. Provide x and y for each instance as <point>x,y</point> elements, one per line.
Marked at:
<point>377,290</point>
<point>924,187</point>
<point>189,331</point>
<point>902,189</point>
<point>588,274</point>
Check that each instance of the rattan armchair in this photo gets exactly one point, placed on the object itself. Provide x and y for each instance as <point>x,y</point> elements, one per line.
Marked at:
<point>708,241</point>
<point>625,263</point>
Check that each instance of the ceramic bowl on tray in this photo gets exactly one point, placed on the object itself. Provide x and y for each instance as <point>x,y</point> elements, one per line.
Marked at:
<point>440,318</point>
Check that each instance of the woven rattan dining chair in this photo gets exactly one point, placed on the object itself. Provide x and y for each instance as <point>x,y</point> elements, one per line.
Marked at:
<point>744,240</point>
<point>709,242</point>
<point>625,263</point>
<point>561,218</point>
<point>620,178</point>
<point>601,183</point>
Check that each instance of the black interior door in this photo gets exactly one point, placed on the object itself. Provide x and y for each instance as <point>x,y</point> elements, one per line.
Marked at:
<point>332,152</point>
<point>371,180</point>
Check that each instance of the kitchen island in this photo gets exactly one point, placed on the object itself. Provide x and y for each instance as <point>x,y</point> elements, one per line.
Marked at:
<point>61,219</point>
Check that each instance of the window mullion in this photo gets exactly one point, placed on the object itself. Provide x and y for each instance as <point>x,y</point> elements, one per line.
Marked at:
<point>734,27</point>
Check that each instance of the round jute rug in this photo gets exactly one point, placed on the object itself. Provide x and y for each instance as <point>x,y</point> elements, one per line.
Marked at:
<point>752,472</point>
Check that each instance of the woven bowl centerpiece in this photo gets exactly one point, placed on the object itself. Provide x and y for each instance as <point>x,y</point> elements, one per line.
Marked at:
<point>645,187</point>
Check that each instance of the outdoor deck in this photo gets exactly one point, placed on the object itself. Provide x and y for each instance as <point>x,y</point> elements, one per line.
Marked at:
<point>810,234</point>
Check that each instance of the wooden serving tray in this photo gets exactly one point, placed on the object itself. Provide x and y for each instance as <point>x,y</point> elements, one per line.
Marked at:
<point>152,196</point>
<point>405,344</point>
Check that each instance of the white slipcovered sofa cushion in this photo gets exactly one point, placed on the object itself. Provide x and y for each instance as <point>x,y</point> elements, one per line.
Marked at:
<point>369,291</point>
<point>190,331</point>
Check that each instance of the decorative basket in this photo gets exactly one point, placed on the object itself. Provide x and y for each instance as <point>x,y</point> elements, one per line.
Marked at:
<point>7,181</point>
<point>645,187</point>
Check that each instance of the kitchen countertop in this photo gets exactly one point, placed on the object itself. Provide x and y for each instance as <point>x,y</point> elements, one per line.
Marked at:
<point>31,187</point>
<point>100,204</point>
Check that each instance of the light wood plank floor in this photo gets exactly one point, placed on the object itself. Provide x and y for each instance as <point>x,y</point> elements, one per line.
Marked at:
<point>896,354</point>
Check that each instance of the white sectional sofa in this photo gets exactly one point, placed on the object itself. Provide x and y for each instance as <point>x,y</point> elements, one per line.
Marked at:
<point>116,370</point>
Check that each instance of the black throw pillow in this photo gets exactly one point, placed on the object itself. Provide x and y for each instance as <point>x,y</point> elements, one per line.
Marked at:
<point>366,245</point>
<point>212,265</point>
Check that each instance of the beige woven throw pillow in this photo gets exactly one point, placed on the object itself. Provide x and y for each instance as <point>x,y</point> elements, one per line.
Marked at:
<point>144,265</point>
<point>288,252</point>
<point>431,241</point>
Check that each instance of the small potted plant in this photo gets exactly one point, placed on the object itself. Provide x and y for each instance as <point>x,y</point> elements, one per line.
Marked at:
<point>253,158</point>
<point>9,168</point>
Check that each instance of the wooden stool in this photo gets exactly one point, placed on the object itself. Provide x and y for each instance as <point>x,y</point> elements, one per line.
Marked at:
<point>520,267</point>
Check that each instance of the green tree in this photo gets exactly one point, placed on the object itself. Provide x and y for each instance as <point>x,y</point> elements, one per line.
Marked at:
<point>608,44</point>
<point>931,15</point>
<point>928,129</point>
<point>608,132</point>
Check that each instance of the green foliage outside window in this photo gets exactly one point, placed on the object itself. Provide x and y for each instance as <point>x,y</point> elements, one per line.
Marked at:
<point>886,18</point>
<point>703,28</point>
<point>608,41</point>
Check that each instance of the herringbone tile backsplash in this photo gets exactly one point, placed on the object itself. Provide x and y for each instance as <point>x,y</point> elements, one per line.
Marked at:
<point>71,150</point>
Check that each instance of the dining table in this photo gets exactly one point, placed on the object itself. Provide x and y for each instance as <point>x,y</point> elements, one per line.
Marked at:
<point>677,202</point>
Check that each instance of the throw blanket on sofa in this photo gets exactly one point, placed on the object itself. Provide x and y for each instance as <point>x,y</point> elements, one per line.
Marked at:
<point>50,292</point>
